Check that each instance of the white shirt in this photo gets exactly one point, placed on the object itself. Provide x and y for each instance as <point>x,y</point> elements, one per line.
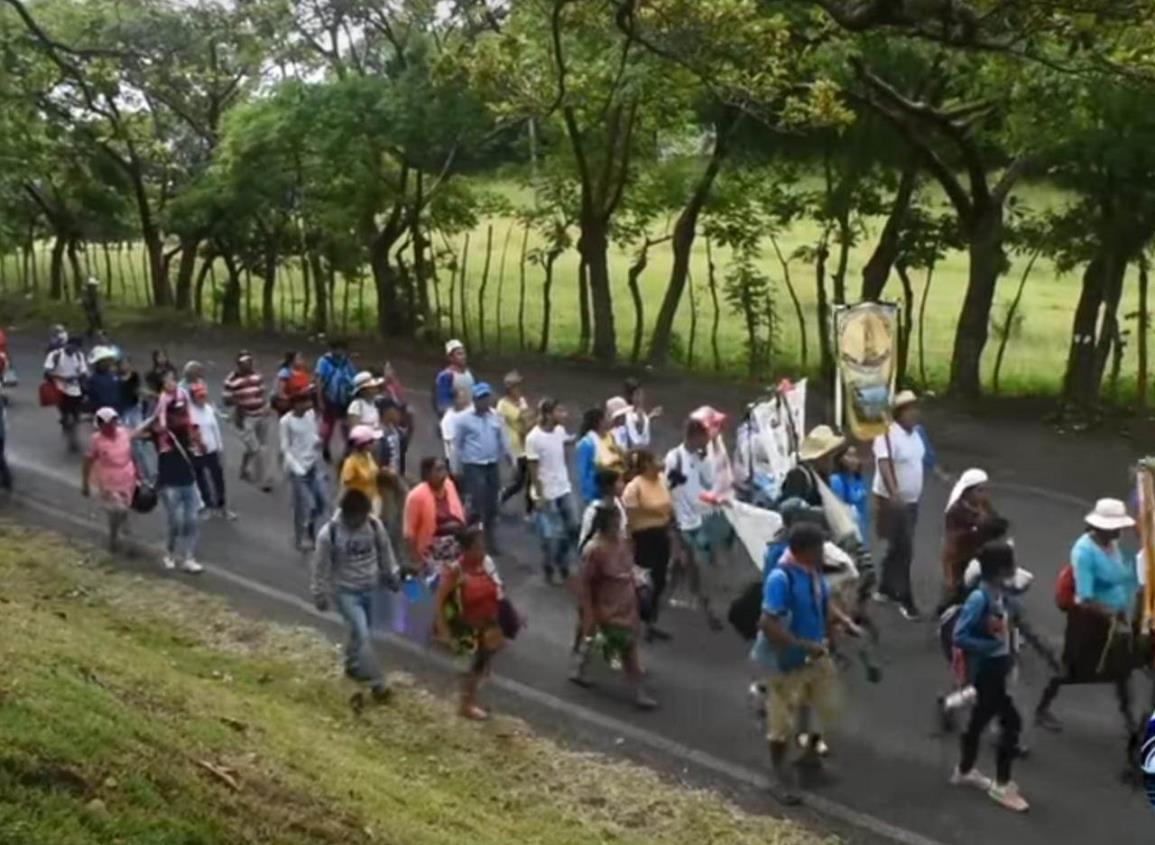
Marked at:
<point>634,432</point>
<point>365,410</point>
<point>299,442</point>
<point>204,417</point>
<point>909,451</point>
<point>687,497</point>
<point>547,450</point>
<point>66,370</point>
<point>449,433</point>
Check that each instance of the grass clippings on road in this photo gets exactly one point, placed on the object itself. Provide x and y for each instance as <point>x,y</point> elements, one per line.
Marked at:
<point>139,711</point>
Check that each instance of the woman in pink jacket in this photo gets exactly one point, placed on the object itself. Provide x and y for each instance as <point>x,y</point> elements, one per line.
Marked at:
<point>433,518</point>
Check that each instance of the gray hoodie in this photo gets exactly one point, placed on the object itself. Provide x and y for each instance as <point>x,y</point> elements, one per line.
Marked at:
<point>352,558</point>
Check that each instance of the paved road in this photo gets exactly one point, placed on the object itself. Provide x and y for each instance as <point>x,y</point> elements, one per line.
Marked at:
<point>888,770</point>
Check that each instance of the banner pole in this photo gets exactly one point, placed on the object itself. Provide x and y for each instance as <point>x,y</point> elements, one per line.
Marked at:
<point>838,399</point>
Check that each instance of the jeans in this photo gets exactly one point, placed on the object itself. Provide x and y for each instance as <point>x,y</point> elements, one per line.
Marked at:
<point>181,504</point>
<point>210,477</point>
<point>143,451</point>
<point>255,464</point>
<point>356,608</point>
<point>482,489</point>
<point>310,501</point>
<point>557,527</point>
<point>899,553</point>
<point>993,701</point>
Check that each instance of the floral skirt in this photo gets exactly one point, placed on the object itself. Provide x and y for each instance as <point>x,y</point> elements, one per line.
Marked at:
<point>442,551</point>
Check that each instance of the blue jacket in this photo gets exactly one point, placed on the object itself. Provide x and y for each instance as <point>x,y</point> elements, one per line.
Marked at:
<point>104,391</point>
<point>972,634</point>
<point>587,467</point>
<point>852,489</point>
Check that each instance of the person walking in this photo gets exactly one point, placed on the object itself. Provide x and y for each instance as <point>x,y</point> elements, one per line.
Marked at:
<point>359,470</point>
<point>982,637</point>
<point>635,429</point>
<point>597,450</point>
<point>453,377</point>
<point>109,463</point>
<point>792,651</point>
<point>554,518</point>
<point>176,486</point>
<point>689,476</point>
<point>67,369</point>
<point>208,460</point>
<point>898,483</point>
<point>300,454</point>
<point>434,520</point>
<point>392,390</point>
<point>969,523</point>
<point>362,409</point>
<point>650,510</point>
<point>293,379</point>
<point>334,376</point>
<point>1098,635</point>
<point>244,392</point>
<point>608,599</point>
<point>462,404</point>
<point>393,486</point>
<point>352,560</point>
<point>851,488</point>
<point>469,597</point>
<point>480,444</point>
<point>192,374</point>
<point>154,381</point>
<point>513,408</point>
<point>103,387</point>
<point>90,303</point>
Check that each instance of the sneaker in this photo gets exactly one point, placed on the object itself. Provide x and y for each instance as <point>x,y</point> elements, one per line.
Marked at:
<point>191,567</point>
<point>1008,796</point>
<point>168,562</point>
<point>909,612</point>
<point>812,744</point>
<point>973,778</point>
<point>1048,722</point>
<point>881,597</point>
<point>228,515</point>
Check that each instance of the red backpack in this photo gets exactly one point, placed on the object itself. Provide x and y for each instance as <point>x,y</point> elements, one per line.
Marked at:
<point>1065,588</point>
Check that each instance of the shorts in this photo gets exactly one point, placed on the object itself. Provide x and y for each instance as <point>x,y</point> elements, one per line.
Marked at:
<point>813,686</point>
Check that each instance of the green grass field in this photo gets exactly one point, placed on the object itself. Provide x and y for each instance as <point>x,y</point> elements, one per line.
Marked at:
<point>1033,364</point>
<point>142,712</point>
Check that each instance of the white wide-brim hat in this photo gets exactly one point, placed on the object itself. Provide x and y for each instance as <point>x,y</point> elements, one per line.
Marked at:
<point>970,478</point>
<point>1109,515</point>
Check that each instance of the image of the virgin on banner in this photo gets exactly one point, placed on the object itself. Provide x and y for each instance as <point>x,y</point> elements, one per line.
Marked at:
<point>867,338</point>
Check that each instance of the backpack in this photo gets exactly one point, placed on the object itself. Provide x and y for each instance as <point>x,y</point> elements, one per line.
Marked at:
<point>746,610</point>
<point>1065,588</point>
<point>336,385</point>
<point>378,533</point>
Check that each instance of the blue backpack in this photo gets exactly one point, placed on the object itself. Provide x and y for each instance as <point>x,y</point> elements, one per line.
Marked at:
<point>336,382</point>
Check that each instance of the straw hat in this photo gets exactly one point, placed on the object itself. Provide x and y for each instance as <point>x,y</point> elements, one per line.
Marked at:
<point>820,441</point>
<point>1109,515</point>
<point>904,398</point>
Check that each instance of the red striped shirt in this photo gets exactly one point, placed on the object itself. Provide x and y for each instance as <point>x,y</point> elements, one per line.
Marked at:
<point>246,393</point>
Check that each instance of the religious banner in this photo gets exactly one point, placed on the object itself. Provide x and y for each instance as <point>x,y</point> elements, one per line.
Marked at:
<point>867,342</point>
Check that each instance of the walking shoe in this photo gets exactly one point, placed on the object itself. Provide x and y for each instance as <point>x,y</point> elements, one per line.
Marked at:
<point>813,744</point>
<point>910,612</point>
<point>191,567</point>
<point>226,514</point>
<point>473,713</point>
<point>881,597</point>
<point>1048,721</point>
<point>973,778</point>
<point>1008,795</point>
<point>168,562</point>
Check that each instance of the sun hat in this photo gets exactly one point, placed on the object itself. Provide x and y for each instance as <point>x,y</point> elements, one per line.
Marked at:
<point>904,398</point>
<point>453,345</point>
<point>106,415</point>
<point>616,406</point>
<point>1109,515</point>
<point>365,379</point>
<point>101,353</point>
<point>820,441</point>
<point>970,478</point>
<point>512,378</point>
<point>710,417</point>
<point>362,434</point>
<point>481,390</point>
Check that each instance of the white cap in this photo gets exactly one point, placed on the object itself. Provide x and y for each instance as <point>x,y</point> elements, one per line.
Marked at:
<point>106,415</point>
<point>453,345</point>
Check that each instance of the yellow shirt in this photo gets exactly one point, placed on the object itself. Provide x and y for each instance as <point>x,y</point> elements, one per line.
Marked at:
<point>648,503</point>
<point>610,454</point>
<point>359,472</point>
<point>514,414</point>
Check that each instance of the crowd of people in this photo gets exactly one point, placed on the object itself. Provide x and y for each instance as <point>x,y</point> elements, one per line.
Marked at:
<point>629,529</point>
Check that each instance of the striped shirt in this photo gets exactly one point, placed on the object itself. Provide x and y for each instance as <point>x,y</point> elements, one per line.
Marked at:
<point>245,392</point>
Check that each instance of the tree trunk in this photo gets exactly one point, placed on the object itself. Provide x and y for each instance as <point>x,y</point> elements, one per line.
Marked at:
<point>794,300</point>
<point>231,300</point>
<point>157,268</point>
<point>463,291</point>
<point>107,270</point>
<point>501,283</point>
<point>877,269</point>
<point>268,310</point>
<point>482,288</point>
<point>547,298</point>
<point>78,279</point>
<point>1143,326</point>
<point>922,323</point>
<point>206,268</point>
<point>56,269</point>
<point>1012,311</point>
<point>636,270</point>
<point>693,321</point>
<point>584,330</point>
<point>521,290</point>
<point>987,261</point>
<point>390,319</point>
<point>825,357</point>
<point>185,270</point>
<point>907,325</point>
<point>845,236</point>
<point>321,300</point>
<point>594,248</point>
<point>248,295</point>
<point>712,283</point>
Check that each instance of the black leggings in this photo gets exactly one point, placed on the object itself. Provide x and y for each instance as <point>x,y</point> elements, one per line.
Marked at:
<point>210,477</point>
<point>652,553</point>
<point>993,701</point>
<point>520,482</point>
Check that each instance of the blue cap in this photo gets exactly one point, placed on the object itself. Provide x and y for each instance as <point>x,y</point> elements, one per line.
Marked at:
<point>482,389</point>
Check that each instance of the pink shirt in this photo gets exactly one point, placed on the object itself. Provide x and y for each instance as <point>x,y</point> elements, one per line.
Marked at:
<point>112,467</point>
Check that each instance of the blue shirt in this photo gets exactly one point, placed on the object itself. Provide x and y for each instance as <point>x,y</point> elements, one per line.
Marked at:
<point>586,455</point>
<point>480,438</point>
<point>104,391</point>
<point>798,597</point>
<point>1101,576</point>
<point>448,380</point>
<point>770,561</point>
<point>852,490</point>
<point>336,377</point>
<point>982,629</point>
<point>929,455</point>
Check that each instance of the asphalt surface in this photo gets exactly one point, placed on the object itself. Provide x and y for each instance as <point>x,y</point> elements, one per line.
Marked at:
<point>887,778</point>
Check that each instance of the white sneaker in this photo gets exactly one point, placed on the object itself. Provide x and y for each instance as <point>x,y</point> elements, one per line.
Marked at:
<point>1008,796</point>
<point>973,778</point>
<point>191,567</point>
<point>168,562</point>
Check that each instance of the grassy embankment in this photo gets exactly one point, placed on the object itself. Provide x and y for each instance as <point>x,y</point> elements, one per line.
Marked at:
<point>140,712</point>
<point>1033,364</point>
